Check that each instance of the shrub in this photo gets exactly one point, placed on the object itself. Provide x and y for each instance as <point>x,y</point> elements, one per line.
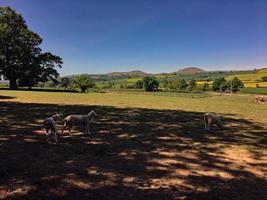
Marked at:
<point>192,84</point>
<point>205,87</point>
<point>264,78</point>
<point>139,84</point>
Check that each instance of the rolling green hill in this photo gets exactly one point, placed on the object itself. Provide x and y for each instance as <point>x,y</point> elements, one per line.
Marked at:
<point>190,70</point>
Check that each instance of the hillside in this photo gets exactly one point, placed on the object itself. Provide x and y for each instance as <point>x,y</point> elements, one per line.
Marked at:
<point>262,71</point>
<point>190,70</point>
<point>132,74</point>
<point>116,75</point>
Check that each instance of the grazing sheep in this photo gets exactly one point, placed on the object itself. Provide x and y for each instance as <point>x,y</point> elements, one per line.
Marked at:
<point>79,120</point>
<point>260,99</point>
<point>210,119</point>
<point>50,125</point>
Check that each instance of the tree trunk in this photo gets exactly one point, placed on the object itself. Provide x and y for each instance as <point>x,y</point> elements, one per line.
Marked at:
<point>13,84</point>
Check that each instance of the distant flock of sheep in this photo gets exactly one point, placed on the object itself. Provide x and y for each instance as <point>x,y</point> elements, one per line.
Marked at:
<point>260,100</point>
<point>83,121</point>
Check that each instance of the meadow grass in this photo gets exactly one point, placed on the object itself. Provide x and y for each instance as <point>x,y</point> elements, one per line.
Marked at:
<point>240,105</point>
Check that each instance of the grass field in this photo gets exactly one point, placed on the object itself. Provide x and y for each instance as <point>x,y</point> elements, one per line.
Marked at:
<point>254,90</point>
<point>251,80</point>
<point>144,146</point>
<point>247,77</point>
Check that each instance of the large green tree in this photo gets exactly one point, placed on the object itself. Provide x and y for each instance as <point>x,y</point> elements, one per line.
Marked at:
<point>150,83</point>
<point>219,84</point>
<point>21,58</point>
<point>235,84</point>
<point>179,84</point>
<point>84,82</point>
<point>65,82</point>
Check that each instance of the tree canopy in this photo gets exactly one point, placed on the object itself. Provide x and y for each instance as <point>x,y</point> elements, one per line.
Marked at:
<point>236,84</point>
<point>232,85</point>
<point>150,83</point>
<point>65,82</point>
<point>217,83</point>
<point>179,84</point>
<point>21,58</point>
<point>84,82</point>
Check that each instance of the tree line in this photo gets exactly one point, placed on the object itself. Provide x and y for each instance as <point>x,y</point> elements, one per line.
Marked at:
<point>83,82</point>
<point>151,83</point>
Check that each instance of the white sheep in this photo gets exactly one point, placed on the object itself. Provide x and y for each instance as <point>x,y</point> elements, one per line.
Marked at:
<point>79,120</point>
<point>50,125</point>
<point>212,118</point>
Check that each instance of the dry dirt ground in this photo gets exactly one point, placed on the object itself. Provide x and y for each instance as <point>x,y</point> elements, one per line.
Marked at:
<point>132,154</point>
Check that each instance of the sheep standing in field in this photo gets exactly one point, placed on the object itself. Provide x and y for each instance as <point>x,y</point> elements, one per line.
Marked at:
<point>50,125</point>
<point>210,119</point>
<point>79,120</point>
<point>260,99</point>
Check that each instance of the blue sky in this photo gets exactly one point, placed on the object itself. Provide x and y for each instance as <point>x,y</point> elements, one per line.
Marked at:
<point>155,36</point>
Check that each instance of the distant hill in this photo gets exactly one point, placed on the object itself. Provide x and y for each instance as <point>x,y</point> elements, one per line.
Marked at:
<point>190,70</point>
<point>132,74</point>
<point>262,71</point>
<point>119,75</point>
<point>187,73</point>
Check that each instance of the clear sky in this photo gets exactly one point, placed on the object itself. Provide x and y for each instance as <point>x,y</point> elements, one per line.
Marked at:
<point>152,35</point>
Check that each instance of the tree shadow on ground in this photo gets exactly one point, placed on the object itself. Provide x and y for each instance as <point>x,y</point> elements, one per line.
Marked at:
<point>41,90</point>
<point>5,97</point>
<point>133,154</point>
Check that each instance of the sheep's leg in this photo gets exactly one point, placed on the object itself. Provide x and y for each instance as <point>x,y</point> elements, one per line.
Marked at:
<point>219,124</point>
<point>46,130</point>
<point>70,126</point>
<point>64,127</point>
<point>82,128</point>
<point>88,130</point>
<point>48,136</point>
<point>205,122</point>
<point>210,122</point>
<point>55,135</point>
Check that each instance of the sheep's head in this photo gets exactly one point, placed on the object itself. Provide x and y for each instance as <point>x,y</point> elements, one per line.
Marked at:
<point>91,115</point>
<point>57,116</point>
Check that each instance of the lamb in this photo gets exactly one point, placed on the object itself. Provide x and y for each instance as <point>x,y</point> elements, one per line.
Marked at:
<point>50,125</point>
<point>210,119</point>
<point>80,120</point>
